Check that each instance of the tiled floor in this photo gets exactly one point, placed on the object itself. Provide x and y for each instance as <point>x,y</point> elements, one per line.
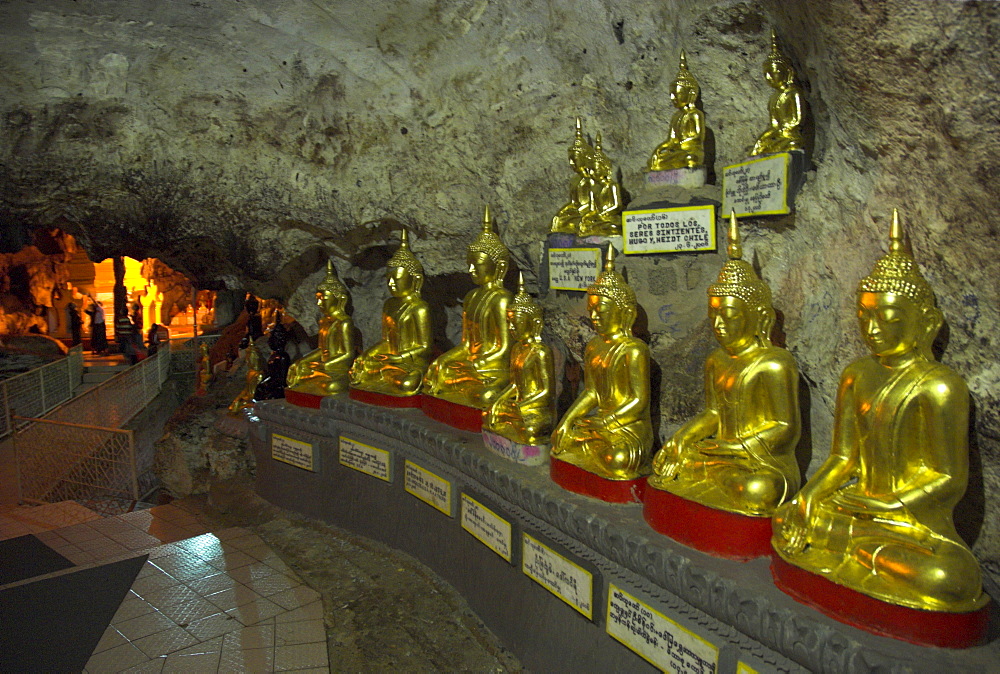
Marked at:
<point>204,602</point>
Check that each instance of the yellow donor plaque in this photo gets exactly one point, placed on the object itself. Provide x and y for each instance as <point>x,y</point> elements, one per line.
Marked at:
<point>476,370</point>
<point>786,108</point>
<point>595,203</point>
<point>738,454</point>
<point>396,364</point>
<point>877,515</point>
<point>607,430</point>
<point>324,371</point>
<point>523,412</point>
<point>685,146</point>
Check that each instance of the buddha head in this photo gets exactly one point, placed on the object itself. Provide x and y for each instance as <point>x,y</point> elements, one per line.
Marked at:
<point>600,162</point>
<point>610,301</point>
<point>524,315</point>
<point>684,89</point>
<point>778,70</point>
<point>488,257</point>
<point>739,303</point>
<point>580,151</point>
<point>279,334</point>
<point>331,294</point>
<point>404,271</point>
<point>897,311</point>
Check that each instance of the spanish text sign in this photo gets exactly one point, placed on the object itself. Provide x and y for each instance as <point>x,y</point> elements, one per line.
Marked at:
<point>292,452</point>
<point>657,638</point>
<point>365,458</point>
<point>573,268</point>
<point>428,487</point>
<point>669,230</point>
<point>566,580</point>
<point>757,186</point>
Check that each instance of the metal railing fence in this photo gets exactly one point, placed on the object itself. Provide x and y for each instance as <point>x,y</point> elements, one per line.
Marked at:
<point>37,391</point>
<point>184,352</point>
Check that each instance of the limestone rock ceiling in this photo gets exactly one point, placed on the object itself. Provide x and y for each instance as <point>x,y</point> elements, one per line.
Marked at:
<point>242,142</point>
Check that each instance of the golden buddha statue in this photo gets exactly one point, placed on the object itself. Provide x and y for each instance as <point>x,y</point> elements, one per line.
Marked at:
<point>475,371</point>
<point>604,217</point>
<point>255,372</point>
<point>685,146</point>
<point>524,411</point>
<point>738,454</point>
<point>323,371</point>
<point>877,515</point>
<point>787,106</point>
<point>396,364</point>
<point>607,430</point>
<point>568,219</point>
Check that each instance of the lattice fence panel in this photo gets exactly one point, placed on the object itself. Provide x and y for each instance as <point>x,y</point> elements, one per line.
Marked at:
<point>60,461</point>
<point>56,385</point>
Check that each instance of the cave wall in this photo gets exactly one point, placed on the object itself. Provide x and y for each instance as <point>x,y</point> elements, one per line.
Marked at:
<point>244,142</point>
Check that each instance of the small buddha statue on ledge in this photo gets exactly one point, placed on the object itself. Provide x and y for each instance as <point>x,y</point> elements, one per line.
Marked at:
<point>607,430</point>
<point>255,372</point>
<point>272,385</point>
<point>395,366</point>
<point>786,108</point>
<point>323,371</point>
<point>474,372</point>
<point>604,216</point>
<point>877,515</point>
<point>524,411</point>
<point>738,454</point>
<point>685,146</point>
<point>568,219</point>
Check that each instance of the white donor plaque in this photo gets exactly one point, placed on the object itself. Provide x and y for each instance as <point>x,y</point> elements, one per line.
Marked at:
<point>566,580</point>
<point>365,458</point>
<point>428,487</point>
<point>669,230</point>
<point>492,530</point>
<point>573,268</point>
<point>757,186</point>
<point>657,638</point>
<point>292,452</point>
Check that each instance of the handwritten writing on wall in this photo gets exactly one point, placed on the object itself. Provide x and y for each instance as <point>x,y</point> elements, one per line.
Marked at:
<point>365,458</point>
<point>292,452</point>
<point>669,230</point>
<point>492,530</point>
<point>566,580</point>
<point>573,268</point>
<point>430,488</point>
<point>656,637</point>
<point>757,187</point>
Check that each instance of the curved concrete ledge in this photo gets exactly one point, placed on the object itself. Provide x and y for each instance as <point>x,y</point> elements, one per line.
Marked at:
<point>734,606</point>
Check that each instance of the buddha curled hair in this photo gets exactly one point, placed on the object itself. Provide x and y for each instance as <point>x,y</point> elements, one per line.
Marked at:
<point>404,258</point>
<point>684,76</point>
<point>737,278</point>
<point>897,272</point>
<point>612,285</point>
<point>775,57</point>
<point>331,284</point>
<point>489,242</point>
<point>524,304</point>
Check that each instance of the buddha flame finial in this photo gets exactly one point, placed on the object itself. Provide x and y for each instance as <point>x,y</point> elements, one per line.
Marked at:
<point>609,264</point>
<point>735,247</point>
<point>897,242</point>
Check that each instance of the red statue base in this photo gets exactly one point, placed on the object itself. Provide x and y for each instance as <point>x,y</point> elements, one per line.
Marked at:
<point>925,628</point>
<point>579,481</point>
<point>383,399</point>
<point>462,417</point>
<point>300,399</point>
<point>716,532</point>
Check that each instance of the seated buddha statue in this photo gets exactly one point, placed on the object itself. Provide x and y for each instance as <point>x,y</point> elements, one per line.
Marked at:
<point>323,371</point>
<point>255,372</point>
<point>786,107</point>
<point>567,220</point>
<point>524,411</point>
<point>685,146</point>
<point>607,430</point>
<point>475,371</point>
<point>738,454</point>
<point>272,385</point>
<point>396,364</point>
<point>604,217</point>
<point>877,515</point>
